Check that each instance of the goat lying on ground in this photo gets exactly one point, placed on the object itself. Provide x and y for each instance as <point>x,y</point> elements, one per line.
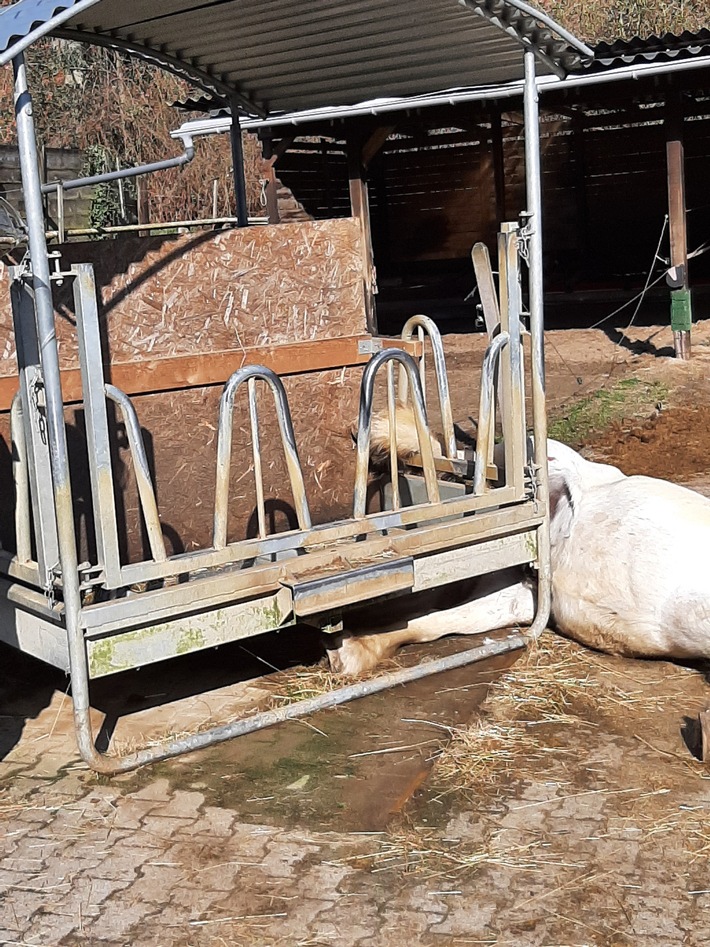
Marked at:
<point>630,575</point>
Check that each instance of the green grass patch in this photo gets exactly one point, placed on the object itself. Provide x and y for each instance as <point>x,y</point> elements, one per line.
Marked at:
<point>629,398</point>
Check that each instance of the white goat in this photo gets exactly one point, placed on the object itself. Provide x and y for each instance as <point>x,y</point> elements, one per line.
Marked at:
<point>630,574</point>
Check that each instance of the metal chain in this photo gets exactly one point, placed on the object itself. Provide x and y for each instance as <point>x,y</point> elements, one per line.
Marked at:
<point>531,470</point>
<point>37,387</point>
<point>53,572</point>
<point>524,234</point>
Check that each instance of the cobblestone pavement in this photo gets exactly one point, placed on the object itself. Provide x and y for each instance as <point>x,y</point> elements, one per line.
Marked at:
<point>604,843</point>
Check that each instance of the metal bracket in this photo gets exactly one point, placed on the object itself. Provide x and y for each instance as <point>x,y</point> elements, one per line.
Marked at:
<point>527,229</point>
<point>90,575</point>
<point>57,275</point>
<point>369,346</point>
<point>531,471</point>
<point>52,580</point>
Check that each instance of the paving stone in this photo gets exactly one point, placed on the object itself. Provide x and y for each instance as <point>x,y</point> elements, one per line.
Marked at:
<point>282,857</point>
<point>123,863</point>
<point>158,791</point>
<point>120,915</point>
<point>51,928</point>
<point>129,813</point>
<point>182,805</point>
<point>162,827</point>
<point>214,821</point>
<point>156,882</point>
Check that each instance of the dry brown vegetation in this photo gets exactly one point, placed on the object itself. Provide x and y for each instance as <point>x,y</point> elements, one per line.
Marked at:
<point>596,20</point>
<point>120,108</point>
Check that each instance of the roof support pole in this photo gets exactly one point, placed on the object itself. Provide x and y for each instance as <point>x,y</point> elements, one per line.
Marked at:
<point>681,309</point>
<point>537,326</point>
<point>49,360</point>
<point>240,188</point>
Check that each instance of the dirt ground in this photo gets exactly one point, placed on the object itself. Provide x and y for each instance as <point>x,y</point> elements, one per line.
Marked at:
<point>556,799</point>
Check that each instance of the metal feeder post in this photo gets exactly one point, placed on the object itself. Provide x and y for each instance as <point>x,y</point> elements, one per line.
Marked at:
<point>537,325</point>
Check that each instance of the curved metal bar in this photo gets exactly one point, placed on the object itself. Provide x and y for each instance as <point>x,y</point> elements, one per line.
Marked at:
<point>552,25</point>
<point>523,23</point>
<point>442,380</point>
<point>365,425</point>
<point>224,449</point>
<point>484,440</point>
<point>144,481</point>
<point>392,415</point>
<point>20,476</point>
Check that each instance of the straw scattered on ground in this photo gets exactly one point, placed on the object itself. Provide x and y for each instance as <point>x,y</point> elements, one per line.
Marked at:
<point>547,723</point>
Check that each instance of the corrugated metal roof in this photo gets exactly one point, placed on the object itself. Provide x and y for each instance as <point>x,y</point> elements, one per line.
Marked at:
<point>666,48</point>
<point>280,55</point>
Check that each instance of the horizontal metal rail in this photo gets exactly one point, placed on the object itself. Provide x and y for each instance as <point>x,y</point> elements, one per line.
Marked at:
<point>213,589</point>
<point>317,536</point>
<point>269,718</point>
<point>123,173</point>
<point>157,225</point>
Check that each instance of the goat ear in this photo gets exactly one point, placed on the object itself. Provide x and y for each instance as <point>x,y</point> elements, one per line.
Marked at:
<point>562,505</point>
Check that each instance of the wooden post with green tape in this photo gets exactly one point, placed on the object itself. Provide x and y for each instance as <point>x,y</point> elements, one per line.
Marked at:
<point>677,277</point>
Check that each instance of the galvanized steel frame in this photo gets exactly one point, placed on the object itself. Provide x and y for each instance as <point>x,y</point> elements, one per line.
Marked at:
<point>444,522</point>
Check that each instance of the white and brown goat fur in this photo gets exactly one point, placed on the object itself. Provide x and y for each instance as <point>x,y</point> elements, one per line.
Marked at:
<point>407,437</point>
<point>630,575</point>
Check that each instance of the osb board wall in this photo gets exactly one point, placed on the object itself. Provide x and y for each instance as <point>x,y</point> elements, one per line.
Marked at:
<point>180,435</point>
<point>323,406</point>
<point>195,295</point>
<point>212,291</point>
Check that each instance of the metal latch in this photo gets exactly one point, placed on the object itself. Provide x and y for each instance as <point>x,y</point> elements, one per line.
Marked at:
<point>369,346</point>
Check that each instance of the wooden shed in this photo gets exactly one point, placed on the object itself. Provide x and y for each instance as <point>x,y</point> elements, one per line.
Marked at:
<point>444,171</point>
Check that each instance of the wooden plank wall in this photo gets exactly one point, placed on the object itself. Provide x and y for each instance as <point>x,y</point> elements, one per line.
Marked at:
<point>56,164</point>
<point>604,192</point>
<point>202,298</point>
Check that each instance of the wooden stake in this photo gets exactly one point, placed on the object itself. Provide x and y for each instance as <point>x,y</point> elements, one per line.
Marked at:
<point>498,160</point>
<point>675,159</point>
<point>360,205</point>
<point>269,173</point>
<point>143,206</point>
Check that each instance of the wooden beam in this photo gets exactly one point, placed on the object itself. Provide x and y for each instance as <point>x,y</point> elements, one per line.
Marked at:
<point>360,208</point>
<point>374,143</point>
<point>215,368</point>
<point>498,159</point>
<point>269,177</point>
<point>579,159</point>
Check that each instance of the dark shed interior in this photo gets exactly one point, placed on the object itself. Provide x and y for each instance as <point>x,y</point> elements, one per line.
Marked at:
<point>441,178</point>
